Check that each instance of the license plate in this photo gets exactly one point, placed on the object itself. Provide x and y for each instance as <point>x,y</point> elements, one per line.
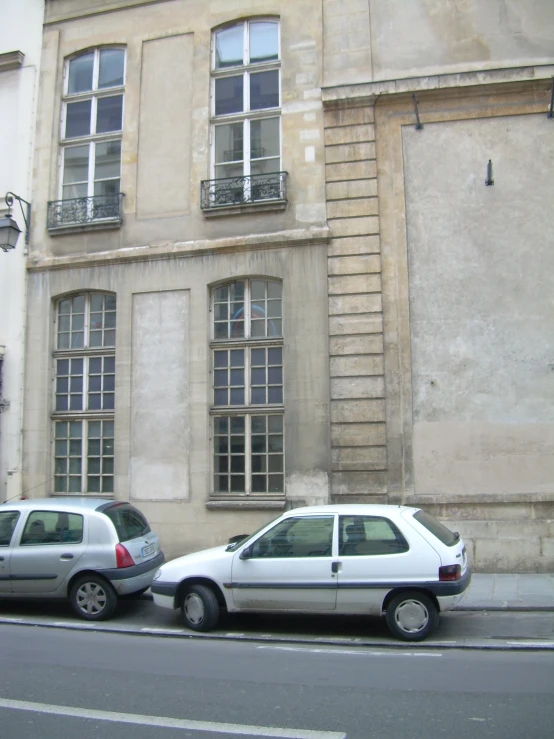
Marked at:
<point>147,551</point>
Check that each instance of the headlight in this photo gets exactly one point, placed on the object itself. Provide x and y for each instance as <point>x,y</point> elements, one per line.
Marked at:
<point>158,574</point>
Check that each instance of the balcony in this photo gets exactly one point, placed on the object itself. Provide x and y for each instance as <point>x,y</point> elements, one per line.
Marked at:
<point>233,193</point>
<point>78,214</point>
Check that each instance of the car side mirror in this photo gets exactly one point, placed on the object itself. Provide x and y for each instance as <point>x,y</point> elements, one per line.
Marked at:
<point>246,553</point>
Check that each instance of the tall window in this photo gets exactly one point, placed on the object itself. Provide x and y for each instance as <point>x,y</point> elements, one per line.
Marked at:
<point>84,396</point>
<point>248,402</point>
<point>246,102</point>
<point>91,132</point>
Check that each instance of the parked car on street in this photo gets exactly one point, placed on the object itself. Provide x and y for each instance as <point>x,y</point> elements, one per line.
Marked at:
<point>342,559</point>
<point>88,550</point>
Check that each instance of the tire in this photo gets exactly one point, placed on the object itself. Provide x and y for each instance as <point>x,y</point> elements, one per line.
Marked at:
<point>200,608</point>
<point>93,598</point>
<point>412,616</point>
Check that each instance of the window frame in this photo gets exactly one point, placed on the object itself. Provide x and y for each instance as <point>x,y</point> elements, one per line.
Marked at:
<point>247,409</point>
<point>84,416</point>
<point>90,139</point>
<point>246,116</point>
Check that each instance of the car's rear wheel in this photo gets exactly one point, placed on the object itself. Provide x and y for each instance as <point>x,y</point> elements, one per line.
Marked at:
<point>412,616</point>
<point>93,598</point>
<point>200,608</point>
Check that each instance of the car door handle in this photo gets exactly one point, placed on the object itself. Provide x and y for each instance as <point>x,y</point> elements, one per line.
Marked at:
<point>335,567</point>
<point>66,556</point>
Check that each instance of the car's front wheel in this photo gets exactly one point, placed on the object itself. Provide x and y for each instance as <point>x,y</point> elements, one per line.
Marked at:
<point>200,608</point>
<point>412,616</point>
<point>93,598</point>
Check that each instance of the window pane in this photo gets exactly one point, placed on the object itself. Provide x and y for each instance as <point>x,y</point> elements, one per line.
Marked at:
<point>112,63</point>
<point>264,42</point>
<point>108,160</point>
<point>229,95</point>
<point>75,168</point>
<point>229,47</point>
<point>264,90</point>
<point>80,73</point>
<point>229,143</point>
<point>238,483</point>
<point>109,115</point>
<point>264,138</point>
<point>77,119</point>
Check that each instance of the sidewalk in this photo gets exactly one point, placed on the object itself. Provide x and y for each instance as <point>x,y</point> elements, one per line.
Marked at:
<point>509,593</point>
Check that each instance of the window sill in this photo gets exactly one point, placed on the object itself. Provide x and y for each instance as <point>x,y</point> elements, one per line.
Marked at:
<point>245,208</point>
<point>72,228</point>
<point>246,504</point>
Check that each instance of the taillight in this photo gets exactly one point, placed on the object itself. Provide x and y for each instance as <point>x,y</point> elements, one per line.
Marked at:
<point>122,556</point>
<point>450,572</point>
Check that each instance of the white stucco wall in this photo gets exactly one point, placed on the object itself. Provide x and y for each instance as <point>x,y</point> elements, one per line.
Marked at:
<point>481,268</point>
<point>20,30</point>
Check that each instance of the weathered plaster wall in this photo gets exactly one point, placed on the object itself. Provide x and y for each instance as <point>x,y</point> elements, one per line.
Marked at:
<point>481,266</point>
<point>373,40</point>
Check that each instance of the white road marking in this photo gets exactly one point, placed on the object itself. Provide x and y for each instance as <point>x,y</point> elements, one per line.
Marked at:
<point>170,723</point>
<point>161,631</point>
<point>8,620</point>
<point>366,652</point>
<point>545,644</point>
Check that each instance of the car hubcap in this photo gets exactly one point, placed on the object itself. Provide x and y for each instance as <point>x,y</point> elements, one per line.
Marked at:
<point>194,609</point>
<point>411,616</point>
<point>91,598</point>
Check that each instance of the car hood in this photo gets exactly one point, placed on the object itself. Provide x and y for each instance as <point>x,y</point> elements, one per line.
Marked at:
<point>195,563</point>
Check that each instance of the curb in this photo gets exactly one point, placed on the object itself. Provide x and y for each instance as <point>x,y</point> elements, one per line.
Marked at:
<point>533,645</point>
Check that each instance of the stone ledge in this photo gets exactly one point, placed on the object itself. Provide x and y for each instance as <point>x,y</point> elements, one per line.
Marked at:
<point>11,60</point>
<point>367,93</point>
<point>477,499</point>
<point>237,210</point>
<point>245,505</point>
<point>174,250</point>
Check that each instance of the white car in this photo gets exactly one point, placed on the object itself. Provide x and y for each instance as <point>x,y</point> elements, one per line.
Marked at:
<point>343,559</point>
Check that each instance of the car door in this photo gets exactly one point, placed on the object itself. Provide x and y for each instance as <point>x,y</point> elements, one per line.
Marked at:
<point>376,556</point>
<point>289,567</point>
<point>8,522</point>
<point>50,545</point>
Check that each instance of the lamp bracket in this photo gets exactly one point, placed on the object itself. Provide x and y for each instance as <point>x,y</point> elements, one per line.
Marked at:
<point>10,197</point>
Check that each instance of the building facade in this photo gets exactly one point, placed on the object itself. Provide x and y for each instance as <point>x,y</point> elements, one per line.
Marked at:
<point>255,283</point>
<point>20,48</point>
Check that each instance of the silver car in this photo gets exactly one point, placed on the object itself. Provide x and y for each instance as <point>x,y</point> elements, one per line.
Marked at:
<point>89,550</point>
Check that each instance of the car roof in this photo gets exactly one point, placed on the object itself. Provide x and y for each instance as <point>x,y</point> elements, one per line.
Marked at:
<point>65,503</point>
<point>353,509</point>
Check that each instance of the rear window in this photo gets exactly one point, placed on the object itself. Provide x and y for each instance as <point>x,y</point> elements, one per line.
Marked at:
<point>443,534</point>
<point>128,521</point>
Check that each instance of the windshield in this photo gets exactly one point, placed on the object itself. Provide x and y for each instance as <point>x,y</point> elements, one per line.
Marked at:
<point>237,544</point>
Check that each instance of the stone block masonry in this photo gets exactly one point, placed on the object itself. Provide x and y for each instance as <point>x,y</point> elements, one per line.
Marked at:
<point>358,431</point>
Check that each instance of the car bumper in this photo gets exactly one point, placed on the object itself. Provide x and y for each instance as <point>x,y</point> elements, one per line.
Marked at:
<point>164,593</point>
<point>132,579</point>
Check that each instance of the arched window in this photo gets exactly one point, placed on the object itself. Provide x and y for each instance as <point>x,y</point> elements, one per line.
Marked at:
<point>84,394</point>
<point>91,132</point>
<point>246,110</point>
<point>248,400</point>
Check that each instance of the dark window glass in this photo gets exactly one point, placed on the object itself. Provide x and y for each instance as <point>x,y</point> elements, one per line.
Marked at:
<point>264,90</point>
<point>229,95</point>
<point>109,114</point>
<point>128,521</point>
<point>308,536</point>
<point>80,73</point>
<point>112,64</point>
<point>443,534</point>
<point>369,535</point>
<point>77,121</point>
<point>8,520</point>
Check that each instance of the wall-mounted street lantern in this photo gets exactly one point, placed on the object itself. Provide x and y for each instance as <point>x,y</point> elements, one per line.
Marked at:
<point>9,230</point>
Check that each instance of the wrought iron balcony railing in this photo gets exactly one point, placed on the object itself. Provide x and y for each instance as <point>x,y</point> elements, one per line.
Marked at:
<point>254,188</point>
<point>85,211</point>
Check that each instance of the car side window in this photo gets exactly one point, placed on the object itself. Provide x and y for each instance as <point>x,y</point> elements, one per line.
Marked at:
<point>52,527</point>
<point>8,520</point>
<point>306,536</point>
<point>366,535</point>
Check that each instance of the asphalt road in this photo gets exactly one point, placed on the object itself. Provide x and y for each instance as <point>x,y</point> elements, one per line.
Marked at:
<point>62,683</point>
